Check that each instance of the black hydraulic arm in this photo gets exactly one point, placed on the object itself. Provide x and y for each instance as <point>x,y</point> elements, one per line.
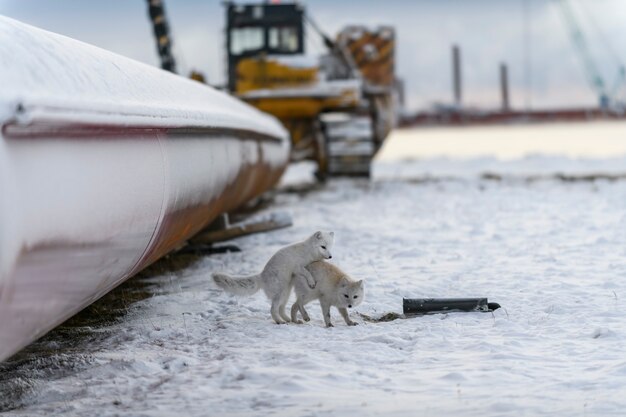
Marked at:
<point>161,34</point>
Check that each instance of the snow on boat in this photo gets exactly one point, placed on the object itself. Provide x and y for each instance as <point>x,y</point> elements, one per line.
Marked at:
<point>107,164</point>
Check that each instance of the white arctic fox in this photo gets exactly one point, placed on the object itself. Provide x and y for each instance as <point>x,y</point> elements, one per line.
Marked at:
<point>333,288</point>
<point>277,277</point>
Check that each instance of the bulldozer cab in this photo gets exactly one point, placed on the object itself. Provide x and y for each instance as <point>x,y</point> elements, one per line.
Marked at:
<point>262,29</point>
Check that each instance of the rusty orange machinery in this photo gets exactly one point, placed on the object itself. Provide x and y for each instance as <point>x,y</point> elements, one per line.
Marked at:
<point>373,53</point>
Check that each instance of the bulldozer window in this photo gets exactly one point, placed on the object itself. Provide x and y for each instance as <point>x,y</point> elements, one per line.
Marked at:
<point>283,39</point>
<point>246,39</point>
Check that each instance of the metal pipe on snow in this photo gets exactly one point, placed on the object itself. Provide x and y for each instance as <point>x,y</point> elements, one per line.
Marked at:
<point>107,164</point>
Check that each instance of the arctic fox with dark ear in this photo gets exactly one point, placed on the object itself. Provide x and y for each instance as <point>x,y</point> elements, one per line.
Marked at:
<point>277,277</point>
<point>333,288</point>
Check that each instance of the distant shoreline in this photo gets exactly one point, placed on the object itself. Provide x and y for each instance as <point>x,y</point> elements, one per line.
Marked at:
<point>602,139</point>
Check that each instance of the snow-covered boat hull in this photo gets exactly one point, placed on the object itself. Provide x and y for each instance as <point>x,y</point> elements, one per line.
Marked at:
<point>106,165</point>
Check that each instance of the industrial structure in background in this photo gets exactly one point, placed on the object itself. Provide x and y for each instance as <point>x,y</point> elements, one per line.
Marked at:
<point>339,107</point>
<point>611,96</point>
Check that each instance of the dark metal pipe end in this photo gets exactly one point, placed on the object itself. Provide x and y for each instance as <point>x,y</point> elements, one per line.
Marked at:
<point>444,305</point>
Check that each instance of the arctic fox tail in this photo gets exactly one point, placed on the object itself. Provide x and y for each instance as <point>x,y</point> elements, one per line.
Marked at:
<point>238,285</point>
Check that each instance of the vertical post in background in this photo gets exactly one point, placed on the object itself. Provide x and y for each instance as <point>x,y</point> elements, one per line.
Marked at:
<point>456,75</point>
<point>504,87</point>
<point>161,33</point>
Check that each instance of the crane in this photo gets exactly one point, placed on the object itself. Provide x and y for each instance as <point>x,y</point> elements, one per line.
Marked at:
<point>608,98</point>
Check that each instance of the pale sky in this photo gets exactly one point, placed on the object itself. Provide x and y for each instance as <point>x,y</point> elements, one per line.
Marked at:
<point>488,32</point>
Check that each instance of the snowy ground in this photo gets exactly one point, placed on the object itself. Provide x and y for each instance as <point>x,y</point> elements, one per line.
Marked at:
<point>551,250</point>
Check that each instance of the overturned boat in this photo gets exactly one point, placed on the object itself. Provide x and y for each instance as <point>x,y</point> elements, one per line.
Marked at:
<point>107,164</point>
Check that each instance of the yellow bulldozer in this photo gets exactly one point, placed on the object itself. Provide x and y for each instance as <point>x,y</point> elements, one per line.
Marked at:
<point>339,107</point>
